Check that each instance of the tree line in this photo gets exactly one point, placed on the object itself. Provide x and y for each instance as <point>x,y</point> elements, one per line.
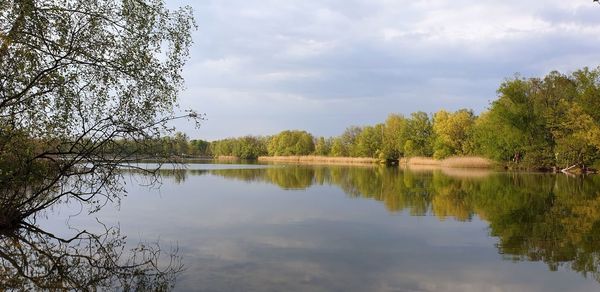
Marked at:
<point>546,122</point>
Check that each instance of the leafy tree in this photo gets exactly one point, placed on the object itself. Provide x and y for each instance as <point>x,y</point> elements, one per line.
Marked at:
<point>181,142</point>
<point>251,147</point>
<point>452,133</point>
<point>323,146</point>
<point>291,143</point>
<point>494,139</point>
<point>77,78</point>
<point>395,132</point>
<point>200,147</point>
<point>576,137</point>
<point>549,122</point>
<point>337,148</point>
<point>348,140</point>
<point>248,147</point>
<point>369,141</point>
<point>419,135</point>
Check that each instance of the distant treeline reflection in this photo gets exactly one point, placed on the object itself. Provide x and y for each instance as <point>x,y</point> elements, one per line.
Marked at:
<point>537,217</point>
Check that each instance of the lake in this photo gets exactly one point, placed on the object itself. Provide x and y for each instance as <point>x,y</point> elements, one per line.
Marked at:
<point>362,228</point>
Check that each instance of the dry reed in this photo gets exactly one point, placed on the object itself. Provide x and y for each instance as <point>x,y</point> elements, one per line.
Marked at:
<point>319,159</point>
<point>452,162</point>
<point>467,162</point>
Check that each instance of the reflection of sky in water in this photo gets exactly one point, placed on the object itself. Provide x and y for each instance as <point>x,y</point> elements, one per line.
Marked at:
<point>240,236</point>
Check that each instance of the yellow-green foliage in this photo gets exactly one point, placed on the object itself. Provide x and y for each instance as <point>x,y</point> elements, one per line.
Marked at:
<point>452,133</point>
<point>291,143</point>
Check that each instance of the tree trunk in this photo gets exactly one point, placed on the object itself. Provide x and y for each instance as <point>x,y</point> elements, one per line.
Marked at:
<point>566,170</point>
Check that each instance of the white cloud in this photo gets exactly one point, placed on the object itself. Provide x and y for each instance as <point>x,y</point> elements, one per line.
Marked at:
<point>308,48</point>
<point>392,56</point>
<point>222,65</point>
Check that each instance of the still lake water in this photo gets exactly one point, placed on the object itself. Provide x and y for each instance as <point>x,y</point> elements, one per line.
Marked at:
<point>336,228</point>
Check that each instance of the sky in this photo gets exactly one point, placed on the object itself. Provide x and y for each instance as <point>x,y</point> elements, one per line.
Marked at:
<point>258,67</point>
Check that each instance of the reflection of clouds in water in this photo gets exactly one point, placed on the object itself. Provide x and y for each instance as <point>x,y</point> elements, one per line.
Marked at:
<point>424,284</point>
<point>220,249</point>
<point>502,278</point>
<point>344,256</point>
<point>249,234</point>
<point>281,242</point>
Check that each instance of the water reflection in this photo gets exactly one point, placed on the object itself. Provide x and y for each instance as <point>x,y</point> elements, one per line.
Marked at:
<point>34,259</point>
<point>92,257</point>
<point>536,217</point>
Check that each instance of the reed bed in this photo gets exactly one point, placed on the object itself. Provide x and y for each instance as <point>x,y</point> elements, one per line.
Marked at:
<point>319,159</point>
<point>422,161</point>
<point>452,162</point>
<point>467,162</point>
<point>414,162</point>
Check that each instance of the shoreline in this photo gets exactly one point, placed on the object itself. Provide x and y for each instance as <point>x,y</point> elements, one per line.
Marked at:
<point>451,162</point>
<point>312,159</point>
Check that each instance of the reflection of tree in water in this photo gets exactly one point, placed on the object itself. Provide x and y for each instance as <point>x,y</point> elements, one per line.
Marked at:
<point>556,220</point>
<point>32,259</point>
<point>537,217</point>
<point>289,177</point>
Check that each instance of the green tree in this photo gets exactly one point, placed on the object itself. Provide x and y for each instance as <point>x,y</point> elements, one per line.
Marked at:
<point>337,148</point>
<point>79,78</point>
<point>419,135</point>
<point>348,140</point>
<point>549,122</point>
<point>453,133</point>
<point>322,146</point>
<point>576,137</point>
<point>369,142</point>
<point>248,147</point>
<point>200,147</point>
<point>395,133</point>
<point>291,143</point>
<point>181,142</point>
<point>86,86</point>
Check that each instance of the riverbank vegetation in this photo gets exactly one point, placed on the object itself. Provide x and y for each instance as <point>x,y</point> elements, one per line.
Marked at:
<point>535,123</point>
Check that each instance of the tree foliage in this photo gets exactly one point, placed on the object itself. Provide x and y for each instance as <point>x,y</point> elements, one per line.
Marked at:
<point>247,147</point>
<point>453,133</point>
<point>549,122</point>
<point>291,143</point>
<point>78,79</point>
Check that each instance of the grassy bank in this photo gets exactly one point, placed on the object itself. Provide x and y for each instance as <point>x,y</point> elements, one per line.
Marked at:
<point>319,159</point>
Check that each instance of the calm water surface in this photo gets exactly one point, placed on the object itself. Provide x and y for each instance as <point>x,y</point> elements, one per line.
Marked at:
<point>316,228</point>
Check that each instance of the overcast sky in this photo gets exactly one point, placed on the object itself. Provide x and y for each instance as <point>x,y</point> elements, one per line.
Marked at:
<point>262,66</point>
